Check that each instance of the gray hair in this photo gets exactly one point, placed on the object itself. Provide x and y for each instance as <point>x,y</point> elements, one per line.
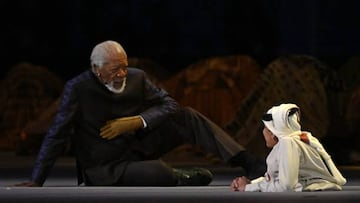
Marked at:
<point>106,51</point>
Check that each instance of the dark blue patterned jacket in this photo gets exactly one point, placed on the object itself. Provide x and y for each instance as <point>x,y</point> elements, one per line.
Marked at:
<point>86,105</point>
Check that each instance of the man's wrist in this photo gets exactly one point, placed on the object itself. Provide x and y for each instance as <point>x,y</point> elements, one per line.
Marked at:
<point>143,121</point>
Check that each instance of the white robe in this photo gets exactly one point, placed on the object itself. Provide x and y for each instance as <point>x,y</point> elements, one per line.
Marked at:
<point>294,165</point>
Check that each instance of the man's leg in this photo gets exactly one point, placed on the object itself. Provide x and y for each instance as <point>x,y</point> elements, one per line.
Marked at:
<point>188,126</point>
<point>191,127</point>
<point>148,173</point>
<point>198,129</point>
<point>157,173</point>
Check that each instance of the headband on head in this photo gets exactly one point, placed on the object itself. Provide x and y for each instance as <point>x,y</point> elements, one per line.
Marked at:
<point>283,120</point>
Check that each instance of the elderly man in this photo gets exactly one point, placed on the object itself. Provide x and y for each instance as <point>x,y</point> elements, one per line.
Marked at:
<point>121,124</point>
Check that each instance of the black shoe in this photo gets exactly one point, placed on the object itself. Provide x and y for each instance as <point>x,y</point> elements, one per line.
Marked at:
<point>193,176</point>
<point>254,166</point>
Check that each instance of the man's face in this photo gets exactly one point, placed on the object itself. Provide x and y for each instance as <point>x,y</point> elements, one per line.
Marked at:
<point>113,75</point>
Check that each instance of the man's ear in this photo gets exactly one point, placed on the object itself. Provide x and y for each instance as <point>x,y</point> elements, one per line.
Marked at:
<point>95,69</point>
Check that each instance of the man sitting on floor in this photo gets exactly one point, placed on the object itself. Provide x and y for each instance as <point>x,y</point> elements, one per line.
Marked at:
<point>121,124</point>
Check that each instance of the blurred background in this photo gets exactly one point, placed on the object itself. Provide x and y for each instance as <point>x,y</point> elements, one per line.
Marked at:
<point>230,59</point>
<point>61,34</point>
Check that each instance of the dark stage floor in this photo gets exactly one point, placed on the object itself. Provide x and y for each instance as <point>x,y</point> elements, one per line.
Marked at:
<point>61,187</point>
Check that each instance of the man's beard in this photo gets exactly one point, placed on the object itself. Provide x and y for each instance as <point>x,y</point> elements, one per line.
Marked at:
<point>110,86</point>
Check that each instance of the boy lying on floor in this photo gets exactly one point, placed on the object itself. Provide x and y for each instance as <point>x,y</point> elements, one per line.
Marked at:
<point>297,162</point>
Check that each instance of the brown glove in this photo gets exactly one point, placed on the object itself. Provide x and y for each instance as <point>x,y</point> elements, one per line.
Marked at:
<point>120,126</point>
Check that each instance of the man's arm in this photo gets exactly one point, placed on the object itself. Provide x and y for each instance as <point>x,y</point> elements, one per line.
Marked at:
<point>159,102</point>
<point>55,139</point>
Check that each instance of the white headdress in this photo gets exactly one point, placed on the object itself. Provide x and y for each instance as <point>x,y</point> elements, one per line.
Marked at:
<point>283,120</point>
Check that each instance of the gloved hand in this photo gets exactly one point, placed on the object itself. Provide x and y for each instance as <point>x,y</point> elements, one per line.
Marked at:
<point>120,126</point>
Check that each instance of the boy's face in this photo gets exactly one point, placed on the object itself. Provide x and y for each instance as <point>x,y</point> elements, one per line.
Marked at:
<point>270,139</point>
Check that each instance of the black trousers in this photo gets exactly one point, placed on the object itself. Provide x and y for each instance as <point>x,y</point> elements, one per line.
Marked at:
<point>188,127</point>
<point>185,127</point>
